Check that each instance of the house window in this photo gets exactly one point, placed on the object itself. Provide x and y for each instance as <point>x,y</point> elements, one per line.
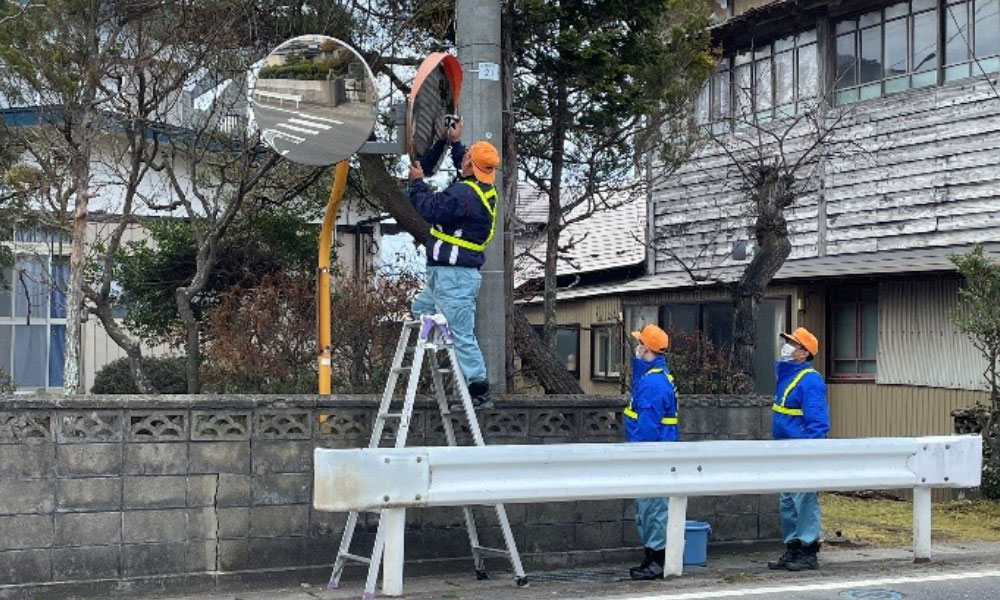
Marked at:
<point>897,48</point>
<point>971,25</point>
<point>853,333</point>
<point>567,346</point>
<point>771,80</point>
<point>606,351</point>
<point>33,311</point>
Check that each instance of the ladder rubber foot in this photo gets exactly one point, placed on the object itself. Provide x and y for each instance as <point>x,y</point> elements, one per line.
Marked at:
<point>368,596</point>
<point>333,586</point>
<point>482,575</point>
<point>522,581</point>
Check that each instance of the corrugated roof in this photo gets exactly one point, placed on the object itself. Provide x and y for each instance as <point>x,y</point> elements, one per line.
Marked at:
<point>607,239</point>
<point>866,264</point>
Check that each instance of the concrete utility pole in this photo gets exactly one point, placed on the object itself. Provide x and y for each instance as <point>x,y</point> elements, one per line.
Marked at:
<point>477,35</point>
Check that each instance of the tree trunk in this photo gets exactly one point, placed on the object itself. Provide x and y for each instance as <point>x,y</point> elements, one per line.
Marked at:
<point>74,292</point>
<point>192,348</point>
<point>771,194</point>
<point>542,362</point>
<point>554,225</point>
<point>131,347</point>
<point>509,195</point>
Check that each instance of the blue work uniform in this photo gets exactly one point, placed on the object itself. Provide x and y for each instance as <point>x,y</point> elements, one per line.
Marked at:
<point>799,412</point>
<point>463,218</point>
<point>651,416</point>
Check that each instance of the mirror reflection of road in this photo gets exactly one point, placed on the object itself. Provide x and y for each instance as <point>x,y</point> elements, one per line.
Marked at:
<point>314,135</point>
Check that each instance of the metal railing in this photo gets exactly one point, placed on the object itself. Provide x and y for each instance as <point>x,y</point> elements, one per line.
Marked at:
<point>377,478</point>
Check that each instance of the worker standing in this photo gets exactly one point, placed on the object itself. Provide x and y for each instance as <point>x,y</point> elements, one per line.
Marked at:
<point>651,416</point>
<point>463,219</point>
<point>799,412</point>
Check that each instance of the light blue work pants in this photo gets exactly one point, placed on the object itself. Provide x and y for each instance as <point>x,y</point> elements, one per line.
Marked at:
<point>651,522</point>
<point>799,516</point>
<point>452,291</point>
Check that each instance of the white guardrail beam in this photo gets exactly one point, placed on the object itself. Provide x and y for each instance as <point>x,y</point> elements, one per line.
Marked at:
<point>377,478</point>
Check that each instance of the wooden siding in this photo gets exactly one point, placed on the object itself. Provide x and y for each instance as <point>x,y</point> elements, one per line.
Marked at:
<point>585,313</point>
<point>928,178</point>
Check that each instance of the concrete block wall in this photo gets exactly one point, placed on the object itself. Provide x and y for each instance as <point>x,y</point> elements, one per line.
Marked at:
<point>124,487</point>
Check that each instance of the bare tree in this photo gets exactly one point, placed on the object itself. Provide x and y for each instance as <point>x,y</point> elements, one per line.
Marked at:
<point>773,159</point>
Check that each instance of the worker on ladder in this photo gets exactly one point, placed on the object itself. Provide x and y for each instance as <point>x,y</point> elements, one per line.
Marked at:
<point>799,412</point>
<point>463,219</point>
<point>651,416</point>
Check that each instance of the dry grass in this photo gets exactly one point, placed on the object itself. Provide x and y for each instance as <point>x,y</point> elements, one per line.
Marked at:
<point>881,522</point>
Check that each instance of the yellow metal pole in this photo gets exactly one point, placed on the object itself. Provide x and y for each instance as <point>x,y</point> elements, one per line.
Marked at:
<point>323,275</point>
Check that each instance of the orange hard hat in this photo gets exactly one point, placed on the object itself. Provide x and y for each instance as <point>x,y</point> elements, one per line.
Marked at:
<point>653,338</point>
<point>804,338</point>
<point>485,160</point>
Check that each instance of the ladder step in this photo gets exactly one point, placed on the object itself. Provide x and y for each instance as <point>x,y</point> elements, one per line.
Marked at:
<point>391,416</point>
<point>402,369</point>
<point>355,558</point>
<point>495,551</point>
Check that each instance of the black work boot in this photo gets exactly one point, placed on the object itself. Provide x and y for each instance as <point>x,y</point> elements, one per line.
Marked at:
<point>792,551</point>
<point>654,570</point>
<point>480,392</point>
<point>807,560</point>
<point>646,560</point>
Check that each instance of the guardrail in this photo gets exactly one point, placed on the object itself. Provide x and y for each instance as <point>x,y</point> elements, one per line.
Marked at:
<point>399,478</point>
<point>281,97</point>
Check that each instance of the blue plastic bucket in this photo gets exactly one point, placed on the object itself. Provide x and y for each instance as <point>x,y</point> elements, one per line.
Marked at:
<point>696,542</point>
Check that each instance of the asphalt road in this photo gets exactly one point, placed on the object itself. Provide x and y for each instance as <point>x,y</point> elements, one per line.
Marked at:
<point>952,585</point>
<point>313,135</point>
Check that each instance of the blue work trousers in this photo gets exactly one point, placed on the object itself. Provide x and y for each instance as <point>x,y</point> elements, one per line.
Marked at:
<point>799,516</point>
<point>651,522</point>
<point>452,291</point>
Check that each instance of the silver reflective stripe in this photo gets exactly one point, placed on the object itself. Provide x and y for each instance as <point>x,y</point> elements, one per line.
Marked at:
<point>437,249</point>
<point>454,249</point>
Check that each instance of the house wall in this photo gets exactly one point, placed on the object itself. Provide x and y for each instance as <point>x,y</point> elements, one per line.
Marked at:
<point>592,311</point>
<point>927,177</point>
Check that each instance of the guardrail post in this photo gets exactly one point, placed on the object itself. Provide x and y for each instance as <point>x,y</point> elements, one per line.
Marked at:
<point>673,563</point>
<point>921,524</point>
<point>394,521</point>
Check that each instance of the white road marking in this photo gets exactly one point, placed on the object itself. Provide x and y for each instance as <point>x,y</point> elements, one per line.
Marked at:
<point>299,129</point>
<point>799,588</point>
<point>270,134</point>
<point>305,115</point>
<point>313,124</point>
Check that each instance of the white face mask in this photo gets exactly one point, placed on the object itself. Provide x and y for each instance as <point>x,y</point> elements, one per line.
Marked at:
<point>786,351</point>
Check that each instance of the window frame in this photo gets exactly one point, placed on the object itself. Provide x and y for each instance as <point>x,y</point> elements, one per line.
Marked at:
<point>573,327</point>
<point>831,356</point>
<point>49,247</point>
<point>613,329</point>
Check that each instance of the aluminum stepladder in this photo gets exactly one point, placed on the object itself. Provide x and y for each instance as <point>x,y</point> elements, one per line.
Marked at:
<point>433,336</point>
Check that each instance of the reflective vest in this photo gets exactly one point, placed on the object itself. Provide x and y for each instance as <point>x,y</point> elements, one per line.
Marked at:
<point>630,413</point>
<point>780,408</point>
<point>463,243</point>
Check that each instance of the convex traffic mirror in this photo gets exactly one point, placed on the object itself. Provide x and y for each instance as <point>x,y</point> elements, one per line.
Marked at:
<point>314,100</point>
